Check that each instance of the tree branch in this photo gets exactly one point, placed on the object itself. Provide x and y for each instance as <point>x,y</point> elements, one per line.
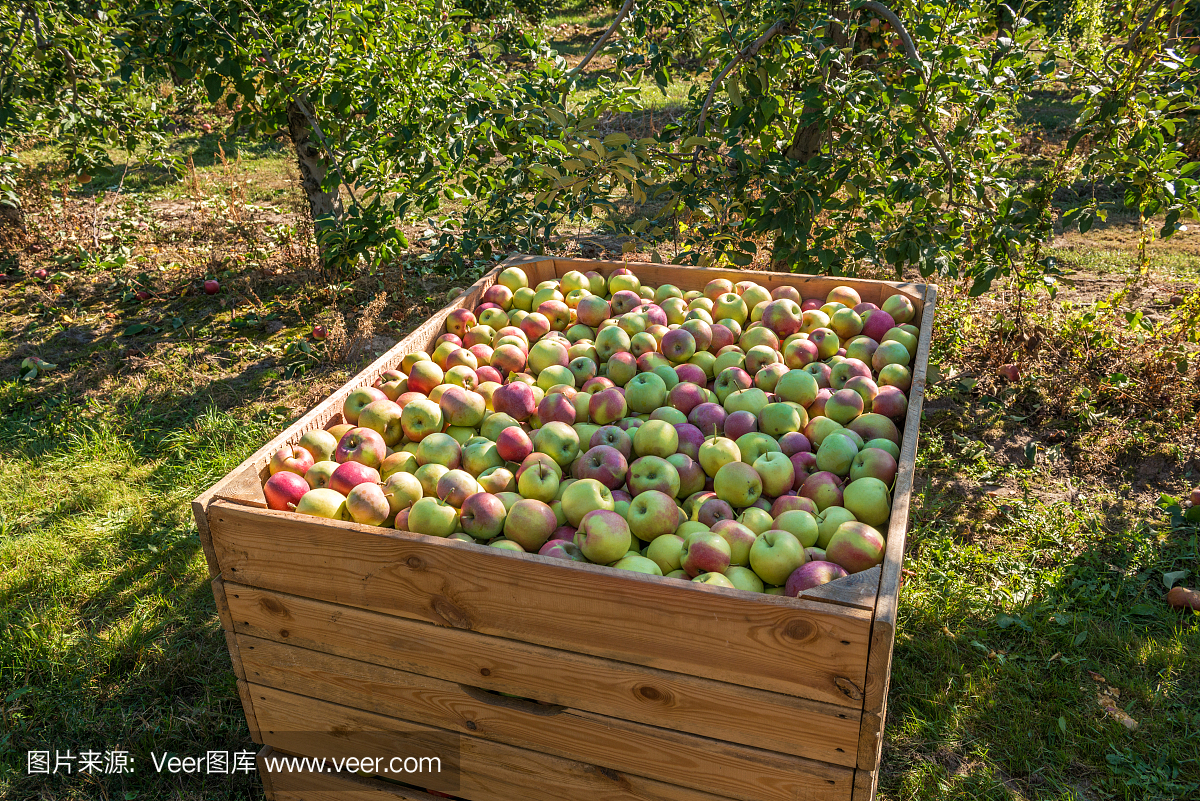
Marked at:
<point>911,49</point>
<point>601,41</point>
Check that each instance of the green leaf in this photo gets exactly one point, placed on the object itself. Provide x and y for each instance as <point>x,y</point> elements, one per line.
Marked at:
<point>1169,579</point>
<point>212,85</point>
<point>1144,609</point>
<point>136,328</point>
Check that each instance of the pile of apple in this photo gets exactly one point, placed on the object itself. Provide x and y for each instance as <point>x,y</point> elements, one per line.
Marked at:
<point>737,436</point>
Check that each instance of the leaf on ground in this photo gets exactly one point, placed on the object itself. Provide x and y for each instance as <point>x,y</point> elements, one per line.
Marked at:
<point>1169,579</point>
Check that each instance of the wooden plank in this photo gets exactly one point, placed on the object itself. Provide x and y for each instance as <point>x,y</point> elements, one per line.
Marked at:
<point>870,743</point>
<point>263,774</point>
<point>234,655</point>
<point>687,703</point>
<point>490,771</point>
<point>792,646</point>
<point>857,590</point>
<point>883,627</point>
<point>865,784</point>
<point>244,486</point>
<point>251,715</point>
<point>702,763</point>
<point>200,513</point>
<point>221,600</point>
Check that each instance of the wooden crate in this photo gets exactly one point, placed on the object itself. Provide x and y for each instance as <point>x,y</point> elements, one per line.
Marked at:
<point>644,688</point>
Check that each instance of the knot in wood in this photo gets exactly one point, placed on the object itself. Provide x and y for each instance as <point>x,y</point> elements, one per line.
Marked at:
<point>649,692</point>
<point>415,563</point>
<point>848,688</point>
<point>798,630</point>
<point>274,608</point>
<point>449,613</point>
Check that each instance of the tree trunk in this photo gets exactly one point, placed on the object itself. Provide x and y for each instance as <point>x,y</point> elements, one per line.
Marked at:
<point>807,141</point>
<point>313,167</point>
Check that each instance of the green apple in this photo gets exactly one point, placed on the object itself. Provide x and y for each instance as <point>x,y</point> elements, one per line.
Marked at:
<point>836,454</point>
<point>754,444</point>
<point>777,472</point>
<point>320,443</point>
<point>323,502</point>
<point>716,452</point>
<point>738,484</point>
<point>868,500</point>
<point>775,554</point>
<point>655,438</point>
<point>743,578</point>
<point>645,392</point>
<point>801,524</point>
<point>653,514</point>
<point>755,519</point>
<point>432,517</point>
<point>603,536</point>
<point>559,441</point>
<point>666,552</point>
<point>638,564</point>
<point>583,496</point>
<point>828,522</point>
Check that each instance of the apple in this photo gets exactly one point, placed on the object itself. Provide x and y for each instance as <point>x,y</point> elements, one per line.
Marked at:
<point>738,484</point>
<point>679,345</point>
<point>530,523</point>
<point>638,564</point>
<point>775,554</point>
<point>716,452</point>
<point>788,503</point>
<point>666,552</point>
<point>291,459</point>
<point>607,406</point>
<point>755,519</point>
<point>705,552</point>
<point>876,323</point>
<point>645,392</point>
<point>801,524</point>
<point>383,417</point>
<point>874,426</point>
<point>836,455</point>
<point>739,423</point>
<point>401,490</point>
<point>776,472</point>
<point>829,521</point>
<point>715,580</point>
<point>799,353</point>
<point>868,500</point>
<point>320,443</point>
<point>668,414</point>
<point>539,482</point>
<point>730,380</point>
<point>685,396</point>
<point>614,437</point>
<point>741,539</point>
<point>603,536</point>
<point>513,444</point>
<point>742,578</point>
<point>861,348</point>
<point>890,402</point>
<point>900,308</point>
<point>283,490</point>
<point>367,505</point>
<point>211,287</point>
<point>711,511</point>
<point>482,515</point>
<point>323,502</point>
<point>361,445</point>
<point>583,496</point>
<point>812,574</point>
<point>824,489</point>
<point>856,547</point>
<point>420,418</point>
<point>432,517</point>
<point>777,419</point>
<point>359,399</point>
<point>653,473</point>
<point>559,441</point>
<point>480,454</point>
<point>496,480</point>
<point>319,474</point>
<point>560,549</point>
<point>653,514</point>
<point>515,399</point>
<point>794,442</point>
<point>691,475</point>
<point>875,463</point>
<point>655,438</point>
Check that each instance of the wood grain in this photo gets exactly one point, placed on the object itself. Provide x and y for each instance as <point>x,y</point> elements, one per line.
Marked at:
<point>248,707</point>
<point>792,646</point>
<point>858,590</point>
<point>735,771</point>
<point>490,771</point>
<point>865,784</point>
<point>688,703</point>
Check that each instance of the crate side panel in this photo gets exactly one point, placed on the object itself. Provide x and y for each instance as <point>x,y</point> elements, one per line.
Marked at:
<point>490,771</point>
<point>688,703</point>
<point>750,774</point>
<point>797,647</point>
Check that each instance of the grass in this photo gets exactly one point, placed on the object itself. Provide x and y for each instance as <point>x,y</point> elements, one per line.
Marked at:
<point>1038,552</point>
